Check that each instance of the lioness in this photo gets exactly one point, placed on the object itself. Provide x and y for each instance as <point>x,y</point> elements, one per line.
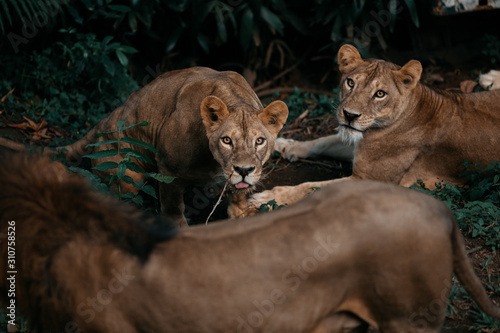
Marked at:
<point>352,255</point>
<point>397,129</point>
<point>204,123</point>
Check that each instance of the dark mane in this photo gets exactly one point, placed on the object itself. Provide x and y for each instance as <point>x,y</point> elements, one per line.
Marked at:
<point>47,202</point>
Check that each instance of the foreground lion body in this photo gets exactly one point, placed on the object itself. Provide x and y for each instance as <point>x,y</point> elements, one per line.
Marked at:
<point>398,130</point>
<point>190,111</point>
<point>353,254</point>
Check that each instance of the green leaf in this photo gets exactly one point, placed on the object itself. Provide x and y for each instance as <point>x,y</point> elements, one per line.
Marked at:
<point>272,19</point>
<point>139,184</point>
<point>246,28</point>
<point>127,49</point>
<point>120,124</point>
<point>106,166</point>
<point>142,123</point>
<point>148,189</point>
<point>132,22</point>
<point>134,167</point>
<point>159,177</point>
<point>139,143</point>
<point>137,155</point>
<point>413,12</point>
<point>122,58</point>
<point>138,200</point>
<point>203,41</point>
<point>106,40</point>
<point>127,179</point>
<point>7,13</point>
<point>128,195</point>
<point>172,40</point>
<point>122,168</point>
<point>102,154</point>
<point>102,143</point>
<point>221,27</point>
<point>393,8</point>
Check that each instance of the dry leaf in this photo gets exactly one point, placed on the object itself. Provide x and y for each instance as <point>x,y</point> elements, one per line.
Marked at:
<point>7,96</point>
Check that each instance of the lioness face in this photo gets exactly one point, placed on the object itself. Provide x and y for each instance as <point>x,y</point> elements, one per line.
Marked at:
<point>372,92</point>
<point>241,141</point>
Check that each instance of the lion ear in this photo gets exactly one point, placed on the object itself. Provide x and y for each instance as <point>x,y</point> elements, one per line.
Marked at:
<point>274,116</point>
<point>349,58</point>
<point>213,112</point>
<point>410,73</point>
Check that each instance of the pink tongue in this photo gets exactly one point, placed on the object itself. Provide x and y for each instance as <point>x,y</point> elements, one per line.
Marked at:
<point>241,185</point>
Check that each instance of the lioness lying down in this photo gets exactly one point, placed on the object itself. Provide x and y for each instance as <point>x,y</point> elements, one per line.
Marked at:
<point>397,129</point>
<point>352,255</point>
<point>205,124</point>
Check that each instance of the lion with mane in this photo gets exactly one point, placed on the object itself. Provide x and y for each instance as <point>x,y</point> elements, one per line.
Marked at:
<point>354,255</point>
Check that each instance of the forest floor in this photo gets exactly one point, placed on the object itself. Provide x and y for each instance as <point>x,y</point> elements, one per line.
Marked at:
<point>282,172</point>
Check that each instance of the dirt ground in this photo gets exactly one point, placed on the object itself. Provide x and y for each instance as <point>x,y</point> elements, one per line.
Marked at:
<point>282,172</point>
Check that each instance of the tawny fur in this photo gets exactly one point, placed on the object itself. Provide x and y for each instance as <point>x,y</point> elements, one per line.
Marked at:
<point>190,111</point>
<point>353,254</point>
<point>411,133</point>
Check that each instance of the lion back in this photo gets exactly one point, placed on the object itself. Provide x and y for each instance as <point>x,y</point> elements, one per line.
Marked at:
<point>49,208</point>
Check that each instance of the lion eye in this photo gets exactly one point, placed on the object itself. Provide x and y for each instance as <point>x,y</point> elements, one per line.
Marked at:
<point>226,140</point>
<point>260,141</point>
<point>380,94</point>
<point>350,83</point>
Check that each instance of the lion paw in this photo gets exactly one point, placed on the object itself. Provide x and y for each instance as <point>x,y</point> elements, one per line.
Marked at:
<point>272,199</point>
<point>290,149</point>
<point>490,80</point>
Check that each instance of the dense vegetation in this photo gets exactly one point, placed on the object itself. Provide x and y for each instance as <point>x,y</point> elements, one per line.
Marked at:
<point>65,64</point>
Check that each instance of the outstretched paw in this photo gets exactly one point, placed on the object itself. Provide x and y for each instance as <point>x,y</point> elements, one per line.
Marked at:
<point>290,149</point>
<point>272,199</point>
<point>490,80</point>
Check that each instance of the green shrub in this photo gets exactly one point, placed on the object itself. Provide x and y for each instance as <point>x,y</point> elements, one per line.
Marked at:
<point>127,158</point>
<point>318,105</point>
<point>476,205</point>
<point>72,84</point>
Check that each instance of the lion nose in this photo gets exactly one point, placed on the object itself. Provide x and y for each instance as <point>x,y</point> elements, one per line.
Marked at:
<point>349,116</point>
<point>244,171</point>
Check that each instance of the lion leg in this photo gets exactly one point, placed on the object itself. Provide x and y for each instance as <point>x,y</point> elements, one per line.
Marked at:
<point>405,326</point>
<point>342,323</point>
<point>331,146</point>
<point>287,195</point>
<point>239,206</point>
<point>172,202</point>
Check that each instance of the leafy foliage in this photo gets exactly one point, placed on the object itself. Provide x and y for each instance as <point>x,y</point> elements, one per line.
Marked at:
<point>127,158</point>
<point>476,205</point>
<point>75,82</point>
<point>269,206</point>
<point>492,48</point>
<point>317,105</point>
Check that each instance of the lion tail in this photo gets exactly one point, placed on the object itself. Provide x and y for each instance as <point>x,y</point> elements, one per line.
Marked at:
<point>465,273</point>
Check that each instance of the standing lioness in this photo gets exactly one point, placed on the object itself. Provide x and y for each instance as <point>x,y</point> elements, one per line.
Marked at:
<point>399,130</point>
<point>204,123</point>
<point>352,255</point>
